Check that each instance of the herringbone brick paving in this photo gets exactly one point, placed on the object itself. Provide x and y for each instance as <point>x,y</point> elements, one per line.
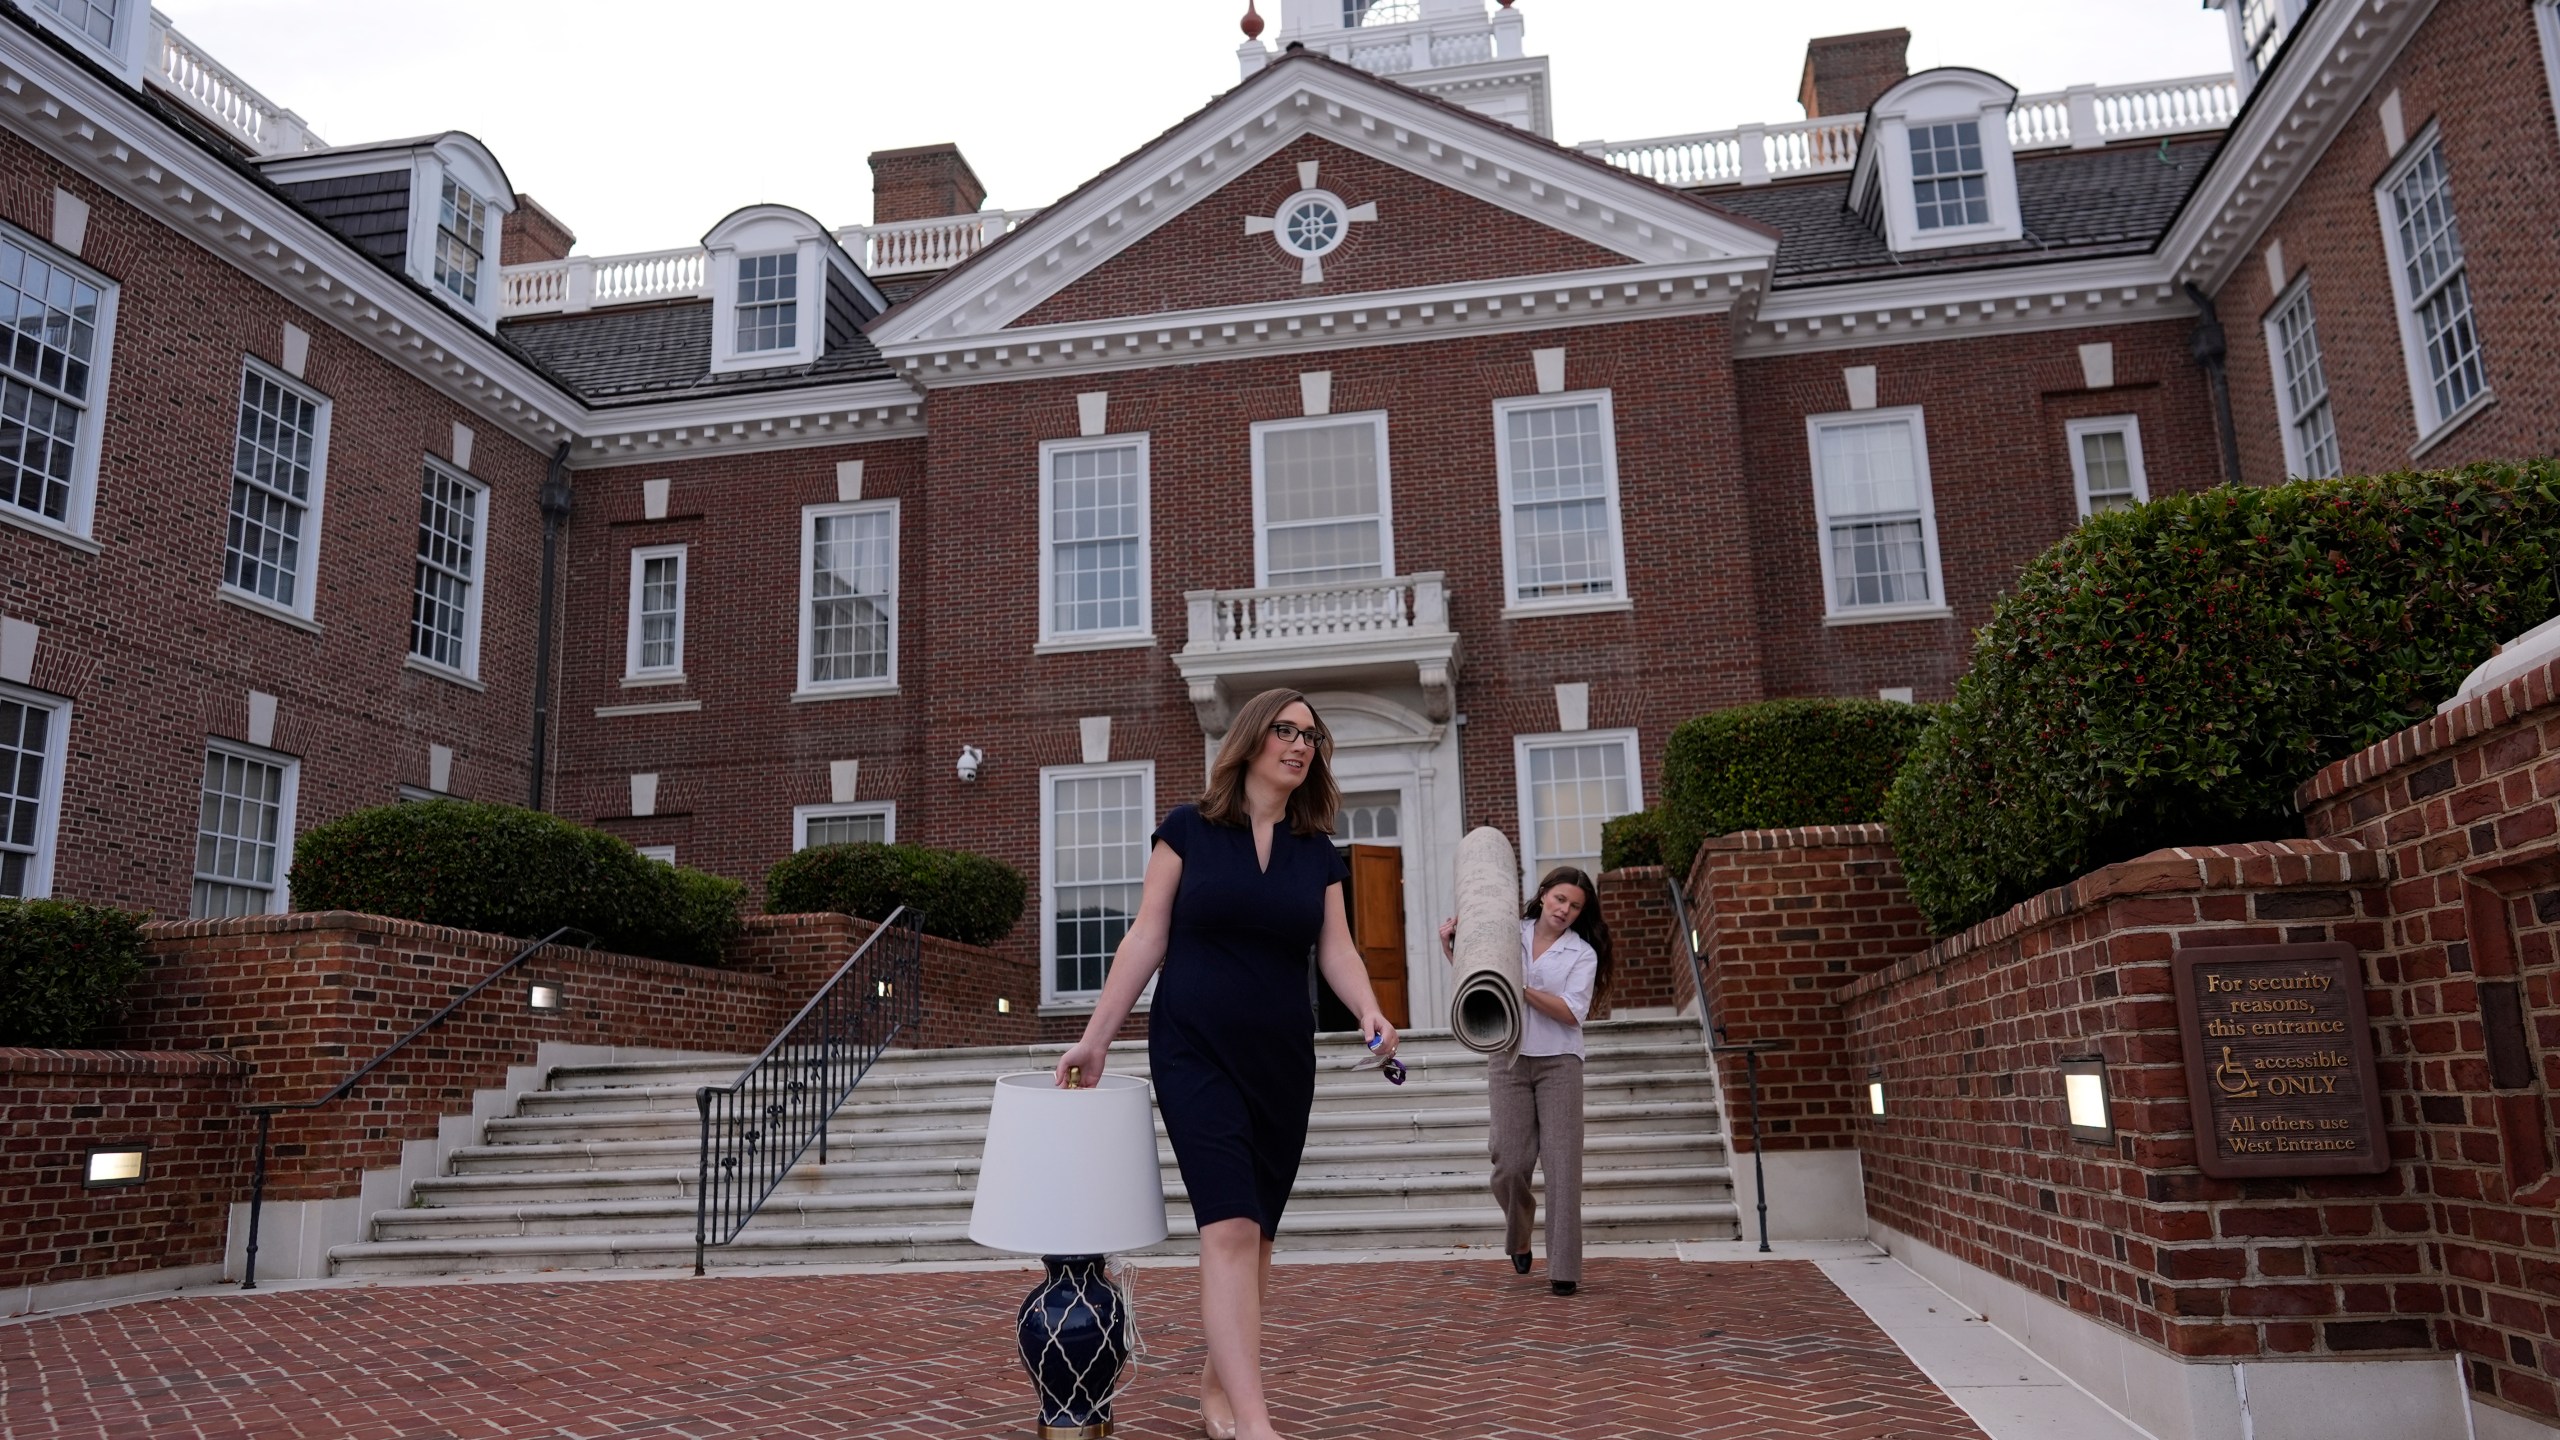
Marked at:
<point>1650,1350</point>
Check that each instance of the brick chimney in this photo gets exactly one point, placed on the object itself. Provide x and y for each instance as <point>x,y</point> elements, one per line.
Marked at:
<point>533,233</point>
<point>923,182</point>
<point>1843,74</point>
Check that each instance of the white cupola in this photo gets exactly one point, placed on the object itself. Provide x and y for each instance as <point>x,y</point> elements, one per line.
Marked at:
<point>1464,51</point>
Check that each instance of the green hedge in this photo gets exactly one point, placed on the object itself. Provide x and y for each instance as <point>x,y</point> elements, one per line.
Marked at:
<point>1634,838</point>
<point>2167,675</point>
<point>964,897</point>
<point>513,872</point>
<point>64,970</point>
<point>1780,763</point>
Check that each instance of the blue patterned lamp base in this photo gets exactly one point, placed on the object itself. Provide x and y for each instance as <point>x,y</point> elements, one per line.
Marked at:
<point>1075,1342</point>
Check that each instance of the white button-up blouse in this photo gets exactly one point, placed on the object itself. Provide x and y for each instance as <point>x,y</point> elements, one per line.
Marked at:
<point>1568,971</point>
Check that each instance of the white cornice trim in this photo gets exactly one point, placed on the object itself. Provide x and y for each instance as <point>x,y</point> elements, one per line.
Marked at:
<point>1492,163</point>
<point>1939,306</point>
<point>2332,62</point>
<point>108,138</point>
<point>1337,322</point>
<point>765,420</point>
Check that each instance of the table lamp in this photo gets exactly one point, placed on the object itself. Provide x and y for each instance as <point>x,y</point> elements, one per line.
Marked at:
<point>1070,1175</point>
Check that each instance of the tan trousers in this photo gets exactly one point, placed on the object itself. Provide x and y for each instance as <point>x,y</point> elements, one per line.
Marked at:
<point>1537,1119</point>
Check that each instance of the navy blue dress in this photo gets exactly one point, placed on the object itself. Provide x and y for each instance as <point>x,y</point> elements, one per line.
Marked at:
<point>1231,1037</point>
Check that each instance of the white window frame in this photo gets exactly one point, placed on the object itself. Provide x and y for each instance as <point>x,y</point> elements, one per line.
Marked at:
<point>126,53</point>
<point>1833,613</point>
<point>39,885</point>
<point>306,581</point>
<point>1881,180</point>
<point>1143,633</point>
<point>288,802</point>
<point>663,854</point>
<point>2243,64</point>
<point>2127,425</point>
<point>79,512</point>
<point>809,515</point>
<point>1532,864</point>
<point>1050,775</point>
<point>2546,24</point>
<point>2288,419</point>
<point>1386,491</point>
<point>1617,598</point>
<point>2413,346</point>
<point>801,815</point>
<point>632,669</point>
<point>469,670</point>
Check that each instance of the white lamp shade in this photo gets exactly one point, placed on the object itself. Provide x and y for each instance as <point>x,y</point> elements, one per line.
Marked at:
<point>1069,1172</point>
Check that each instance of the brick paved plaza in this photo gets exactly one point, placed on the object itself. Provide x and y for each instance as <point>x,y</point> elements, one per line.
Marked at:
<point>1651,1348</point>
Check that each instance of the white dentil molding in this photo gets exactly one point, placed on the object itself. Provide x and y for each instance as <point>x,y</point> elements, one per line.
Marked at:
<point>1928,307</point>
<point>1565,191</point>
<point>855,412</point>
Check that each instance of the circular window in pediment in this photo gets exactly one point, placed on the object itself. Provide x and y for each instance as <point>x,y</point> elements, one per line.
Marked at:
<point>1310,224</point>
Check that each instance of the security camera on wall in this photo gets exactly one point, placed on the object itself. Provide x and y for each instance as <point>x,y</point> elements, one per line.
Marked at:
<point>971,757</point>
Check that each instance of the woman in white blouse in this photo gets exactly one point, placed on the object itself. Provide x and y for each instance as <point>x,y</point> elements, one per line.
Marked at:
<point>1537,1092</point>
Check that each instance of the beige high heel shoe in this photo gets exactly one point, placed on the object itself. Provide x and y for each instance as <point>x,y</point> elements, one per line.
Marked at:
<point>1216,1429</point>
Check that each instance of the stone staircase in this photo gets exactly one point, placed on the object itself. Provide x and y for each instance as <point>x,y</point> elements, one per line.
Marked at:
<point>596,1170</point>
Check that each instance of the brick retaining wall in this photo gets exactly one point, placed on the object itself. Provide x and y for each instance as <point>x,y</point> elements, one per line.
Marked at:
<point>1651,969</point>
<point>962,983</point>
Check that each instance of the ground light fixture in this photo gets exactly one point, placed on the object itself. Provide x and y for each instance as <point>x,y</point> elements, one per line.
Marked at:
<point>543,997</point>
<point>2084,1095</point>
<point>113,1167</point>
<point>1875,1092</point>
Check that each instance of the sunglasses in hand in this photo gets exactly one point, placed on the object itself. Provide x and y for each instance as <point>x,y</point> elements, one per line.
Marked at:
<point>1390,1065</point>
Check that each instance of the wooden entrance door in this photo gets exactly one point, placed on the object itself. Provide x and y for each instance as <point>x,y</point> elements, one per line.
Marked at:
<point>1377,924</point>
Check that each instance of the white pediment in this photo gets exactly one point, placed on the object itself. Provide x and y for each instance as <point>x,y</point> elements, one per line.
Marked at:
<point>1660,232</point>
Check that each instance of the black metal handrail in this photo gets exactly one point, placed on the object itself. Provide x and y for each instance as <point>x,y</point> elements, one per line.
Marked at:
<point>1751,1050</point>
<point>757,1127</point>
<point>267,1113</point>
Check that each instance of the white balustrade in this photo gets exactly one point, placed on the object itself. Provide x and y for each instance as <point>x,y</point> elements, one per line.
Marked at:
<point>583,282</point>
<point>230,102</point>
<point>1314,615</point>
<point>2084,116</point>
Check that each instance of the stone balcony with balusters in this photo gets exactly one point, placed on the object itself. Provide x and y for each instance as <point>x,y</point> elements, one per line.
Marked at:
<point>1393,629</point>
<point>583,282</point>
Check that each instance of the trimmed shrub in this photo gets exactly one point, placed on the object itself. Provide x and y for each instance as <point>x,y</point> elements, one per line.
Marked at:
<point>479,866</point>
<point>1634,838</point>
<point>64,970</point>
<point>2167,675</point>
<point>964,897</point>
<point>1781,763</point>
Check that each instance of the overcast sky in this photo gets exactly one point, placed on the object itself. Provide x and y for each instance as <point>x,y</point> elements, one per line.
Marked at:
<point>642,122</point>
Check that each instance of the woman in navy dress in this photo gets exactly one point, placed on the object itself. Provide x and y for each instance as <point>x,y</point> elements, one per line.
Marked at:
<point>1238,888</point>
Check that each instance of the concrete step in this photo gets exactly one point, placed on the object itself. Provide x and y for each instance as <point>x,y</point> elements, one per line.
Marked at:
<point>1471,1226</point>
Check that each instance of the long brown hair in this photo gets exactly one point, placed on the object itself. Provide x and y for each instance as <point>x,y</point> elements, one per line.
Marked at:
<point>1588,924</point>
<point>1311,805</point>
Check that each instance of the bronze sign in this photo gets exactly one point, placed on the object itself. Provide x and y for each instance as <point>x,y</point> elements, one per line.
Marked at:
<point>2280,1061</point>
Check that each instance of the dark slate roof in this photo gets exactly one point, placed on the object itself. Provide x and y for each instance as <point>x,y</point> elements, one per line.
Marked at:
<point>371,211</point>
<point>640,353</point>
<point>2076,205</point>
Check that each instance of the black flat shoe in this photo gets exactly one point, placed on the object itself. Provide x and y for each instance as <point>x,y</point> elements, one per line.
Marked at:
<point>1560,1287</point>
<point>1520,1263</point>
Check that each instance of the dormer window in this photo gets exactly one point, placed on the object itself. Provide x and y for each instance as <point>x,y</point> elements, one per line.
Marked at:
<point>1946,175</point>
<point>782,290</point>
<point>95,19</point>
<point>768,303</point>
<point>462,235</point>
<point>1934,168</point>
<point>114,30</point>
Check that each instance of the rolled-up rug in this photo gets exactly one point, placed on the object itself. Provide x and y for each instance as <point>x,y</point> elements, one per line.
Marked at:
<point>1485,1009</point>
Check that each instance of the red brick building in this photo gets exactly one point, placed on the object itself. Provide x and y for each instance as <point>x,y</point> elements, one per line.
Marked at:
<point>971,527</point>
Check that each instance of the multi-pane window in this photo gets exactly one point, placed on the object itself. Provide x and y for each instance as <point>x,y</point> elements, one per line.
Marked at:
<point>849,596</point>
<point>2435,289</point>
<point>2106,463</point>
<point>93,18</point>
<point>243,830</point>
<point>1369,819</point>
<point>445,624</point>
<point>2302,387</point>
<point>1098,824</point>
<point>1323,500</point>
<point>30,743</point>
<point>275,485</point>
<point>1569,787</point>
<point>654,644</point>
<point>1358,13</point>
<point>2261,33</point>
<point>462,236</point>
<point>1947,175</point>
<point>1097,538</point>
<point>768,302</point>
<point>1559,486</point>
<point>872,823</point>
<point>1871,485</point>
<point>53,317</point>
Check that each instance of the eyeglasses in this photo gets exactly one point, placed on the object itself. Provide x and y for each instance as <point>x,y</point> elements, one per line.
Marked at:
<point>1291,734</point>
<point>1393,1067</point>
